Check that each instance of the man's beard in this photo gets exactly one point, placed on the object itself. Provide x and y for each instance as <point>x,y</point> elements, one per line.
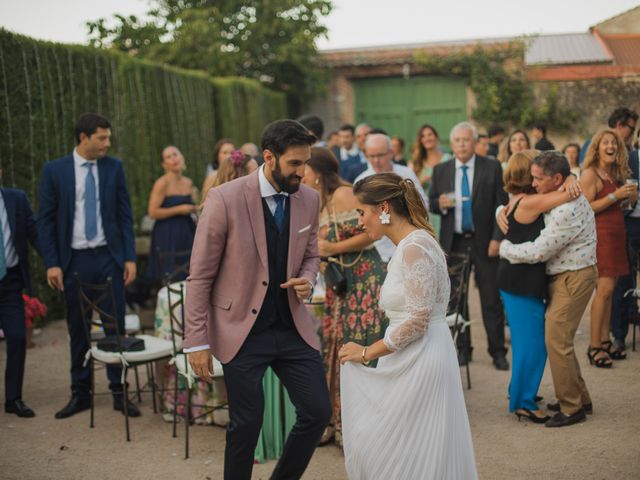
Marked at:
<point>288,184</point>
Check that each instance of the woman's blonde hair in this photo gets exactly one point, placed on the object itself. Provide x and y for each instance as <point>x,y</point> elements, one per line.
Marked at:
<point>620,169</point>
<point>401,195</point>
<point>235,166</point>
<point>517,174</point>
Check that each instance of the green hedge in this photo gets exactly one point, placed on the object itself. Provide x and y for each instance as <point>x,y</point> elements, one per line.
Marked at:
<point>45,86</point>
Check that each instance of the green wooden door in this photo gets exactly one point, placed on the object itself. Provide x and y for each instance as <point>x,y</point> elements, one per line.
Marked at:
<point>400,106</point>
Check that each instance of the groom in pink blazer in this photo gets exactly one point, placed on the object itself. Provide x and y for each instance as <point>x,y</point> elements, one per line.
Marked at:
<point>254,263</point>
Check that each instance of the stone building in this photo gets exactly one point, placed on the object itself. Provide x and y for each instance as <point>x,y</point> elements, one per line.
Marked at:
<point>592,73</point>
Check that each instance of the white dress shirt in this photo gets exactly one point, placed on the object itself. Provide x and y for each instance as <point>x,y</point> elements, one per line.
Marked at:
<point>567,242</point>
<point>79,239</point>
<point>267,192</point>
<point>345,154</point>
<point>458,189</point>
<point>385,246</point>
<point>10,254</point>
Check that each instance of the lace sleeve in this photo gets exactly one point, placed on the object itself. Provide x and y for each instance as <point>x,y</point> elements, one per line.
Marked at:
<point>420,296</point>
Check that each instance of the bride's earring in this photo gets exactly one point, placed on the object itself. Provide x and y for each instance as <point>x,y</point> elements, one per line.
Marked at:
<point>385,218</point>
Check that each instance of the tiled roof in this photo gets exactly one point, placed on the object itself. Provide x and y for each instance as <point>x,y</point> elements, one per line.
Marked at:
<point>397,54</point>
<point>625,48</point>
<point>563,49</point>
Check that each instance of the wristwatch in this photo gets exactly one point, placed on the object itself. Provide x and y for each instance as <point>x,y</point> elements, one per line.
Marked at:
<point>612,197</point>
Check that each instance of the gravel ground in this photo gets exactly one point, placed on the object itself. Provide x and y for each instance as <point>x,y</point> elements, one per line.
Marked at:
<point>607,446</point>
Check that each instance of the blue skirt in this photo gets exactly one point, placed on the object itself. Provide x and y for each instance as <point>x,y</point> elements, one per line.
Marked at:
<point>528,351</point>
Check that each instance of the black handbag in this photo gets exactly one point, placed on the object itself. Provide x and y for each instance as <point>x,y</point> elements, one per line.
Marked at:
<point>128,344</point>
<point>335,279</point>
<point>334,272</point>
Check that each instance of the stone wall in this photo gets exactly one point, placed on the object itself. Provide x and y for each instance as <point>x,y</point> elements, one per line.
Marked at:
<point>624,23</point>
<point>592,101</point>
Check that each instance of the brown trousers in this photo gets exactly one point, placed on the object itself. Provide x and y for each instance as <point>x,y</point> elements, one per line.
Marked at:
<point>570,293</point>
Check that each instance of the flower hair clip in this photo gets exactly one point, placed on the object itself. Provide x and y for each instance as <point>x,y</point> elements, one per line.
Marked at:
<point>237,157</point>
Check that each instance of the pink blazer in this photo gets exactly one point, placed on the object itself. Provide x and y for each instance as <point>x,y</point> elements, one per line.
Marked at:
<point>229,273</point>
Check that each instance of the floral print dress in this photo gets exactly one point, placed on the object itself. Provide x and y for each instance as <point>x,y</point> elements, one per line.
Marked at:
<point>356,317</point>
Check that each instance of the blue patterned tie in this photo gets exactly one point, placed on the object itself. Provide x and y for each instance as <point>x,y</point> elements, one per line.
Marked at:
<point>467,218</point>
<point>90,205</point>
<point>278,215</point>
<point>3,259</point>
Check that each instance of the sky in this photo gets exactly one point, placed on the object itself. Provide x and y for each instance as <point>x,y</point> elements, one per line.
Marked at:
<point>353,23</point>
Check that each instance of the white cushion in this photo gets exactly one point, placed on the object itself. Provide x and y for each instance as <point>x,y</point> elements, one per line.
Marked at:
<point>154,349</point>
<point>182,365</point>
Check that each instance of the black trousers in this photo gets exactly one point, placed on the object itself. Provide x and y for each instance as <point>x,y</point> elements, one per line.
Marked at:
<point>486,272</point>
<point>93,265</point>
<point>300,369</point>
<point>623,308</point>
<point>12,322</point>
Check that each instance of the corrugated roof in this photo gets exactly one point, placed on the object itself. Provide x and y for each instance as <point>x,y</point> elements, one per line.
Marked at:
<point>563,49</point>
<point>625,48</point>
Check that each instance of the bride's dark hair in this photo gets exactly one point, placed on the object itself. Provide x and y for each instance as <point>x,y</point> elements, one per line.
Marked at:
<point>401,195</point>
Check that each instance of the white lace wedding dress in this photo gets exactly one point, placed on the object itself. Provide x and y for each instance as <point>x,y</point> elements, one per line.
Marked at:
<point>406,419</point>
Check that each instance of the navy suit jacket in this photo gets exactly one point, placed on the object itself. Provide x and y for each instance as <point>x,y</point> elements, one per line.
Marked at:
<point>486,194</point>
<point>57,207</point>
<point>633,163</point>
<point>23,228</point>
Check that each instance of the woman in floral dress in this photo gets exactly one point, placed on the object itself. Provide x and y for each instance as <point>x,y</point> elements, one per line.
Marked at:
<point>355,316</point>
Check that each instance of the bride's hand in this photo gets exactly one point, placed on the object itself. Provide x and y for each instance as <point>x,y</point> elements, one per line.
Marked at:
<point>350,352</point>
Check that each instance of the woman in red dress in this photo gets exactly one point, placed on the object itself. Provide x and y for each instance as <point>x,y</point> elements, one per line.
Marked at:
<point>603,180</point>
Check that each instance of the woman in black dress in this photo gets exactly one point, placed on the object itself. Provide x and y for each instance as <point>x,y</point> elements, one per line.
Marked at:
<point>171,204</point>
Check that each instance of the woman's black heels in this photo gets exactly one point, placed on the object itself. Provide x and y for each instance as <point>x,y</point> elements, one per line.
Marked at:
<point>526,413</point>
<point>614,354</point>
<point>602,362</point>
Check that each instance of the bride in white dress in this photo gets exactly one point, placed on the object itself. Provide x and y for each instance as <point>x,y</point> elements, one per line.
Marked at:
<point>405,419</point>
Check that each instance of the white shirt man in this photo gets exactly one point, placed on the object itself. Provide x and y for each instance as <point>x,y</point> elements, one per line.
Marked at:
<point>380,156</point>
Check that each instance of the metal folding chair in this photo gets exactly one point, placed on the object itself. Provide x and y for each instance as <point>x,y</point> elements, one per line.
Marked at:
<point>99,298</point>
<point>175,298</point>
<point>459,267</point>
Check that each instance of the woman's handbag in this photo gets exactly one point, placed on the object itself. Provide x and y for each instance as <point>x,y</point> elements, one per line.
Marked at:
<point>128,344</point>
<point>335,279</point>
<point>334,274</point>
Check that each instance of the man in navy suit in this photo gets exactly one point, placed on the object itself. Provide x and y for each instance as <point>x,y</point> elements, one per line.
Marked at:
<point>17,229</point>
<point>85,215</point>
<point>624,309</point>
<point>466,192</point>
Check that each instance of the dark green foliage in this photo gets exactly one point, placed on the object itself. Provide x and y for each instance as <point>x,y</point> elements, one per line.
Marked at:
<point>498,79</point>
<point>44,87</point>
<point>271,41</point>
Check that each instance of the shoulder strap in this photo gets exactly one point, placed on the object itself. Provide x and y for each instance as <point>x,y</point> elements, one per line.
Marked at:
<point>339,260</point>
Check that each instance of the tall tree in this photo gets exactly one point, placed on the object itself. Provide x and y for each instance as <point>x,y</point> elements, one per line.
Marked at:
<point>273,41</point>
